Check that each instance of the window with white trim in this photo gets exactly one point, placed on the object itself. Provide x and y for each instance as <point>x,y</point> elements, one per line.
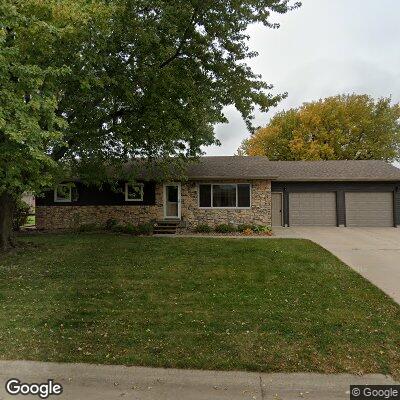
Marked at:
<point>224,195</point>
<point>63,193</point>
<point>134,191</point>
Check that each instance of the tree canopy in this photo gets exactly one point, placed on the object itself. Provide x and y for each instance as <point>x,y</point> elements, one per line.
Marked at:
<point>344,127</point>
<point>152,77</point>
<point>88,83</point>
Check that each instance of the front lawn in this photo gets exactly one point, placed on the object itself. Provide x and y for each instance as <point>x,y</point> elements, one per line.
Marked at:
<point>250,304</point>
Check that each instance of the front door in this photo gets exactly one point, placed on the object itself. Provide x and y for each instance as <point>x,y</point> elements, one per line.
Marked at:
<point>276,209</point>
<point>172,200</point>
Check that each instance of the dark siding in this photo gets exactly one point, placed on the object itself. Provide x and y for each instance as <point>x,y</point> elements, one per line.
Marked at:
<point>92,195</point>
<point>340,188</point>
<point>397,206</point>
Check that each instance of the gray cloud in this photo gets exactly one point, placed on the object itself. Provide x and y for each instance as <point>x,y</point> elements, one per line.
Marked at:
<point>325,48</point>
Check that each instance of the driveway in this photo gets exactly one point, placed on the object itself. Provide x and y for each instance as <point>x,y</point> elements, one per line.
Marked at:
<point>372,252</point>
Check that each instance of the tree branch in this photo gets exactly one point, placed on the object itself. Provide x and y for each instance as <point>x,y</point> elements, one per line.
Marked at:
<point>183,39</point>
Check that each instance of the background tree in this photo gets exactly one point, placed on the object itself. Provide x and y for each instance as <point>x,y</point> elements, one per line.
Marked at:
<point>345,127</point>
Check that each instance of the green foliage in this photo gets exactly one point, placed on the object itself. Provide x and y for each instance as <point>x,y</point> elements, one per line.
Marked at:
<point>225,228</point>
<point>145,229</point>
<point>110,224</point>
<point>87,85</point>
<point>254,228</point>
<point>346,127</point>
<point>155,76</point>
<point>261,229</point>
<point>20,214</point>
<point>243,227</point>
<point>29,125</point>
<point>88,227</point>
<point>203,228</point>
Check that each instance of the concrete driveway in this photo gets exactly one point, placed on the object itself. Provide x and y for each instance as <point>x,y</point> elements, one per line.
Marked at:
<point>372,252</point>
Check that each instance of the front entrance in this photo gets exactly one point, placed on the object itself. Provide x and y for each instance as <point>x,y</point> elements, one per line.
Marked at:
<point>172,201</point>
<point>276,209</point>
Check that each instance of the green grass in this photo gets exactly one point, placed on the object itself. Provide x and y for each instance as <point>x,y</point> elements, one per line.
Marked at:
<point>30,221</point>
<point>262,305</point>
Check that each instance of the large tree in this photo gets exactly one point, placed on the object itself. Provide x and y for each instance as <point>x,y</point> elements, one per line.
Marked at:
<point>156,80</point>
<point>97,82</point>
<point>28,123</point>
<point>345,127</point>
<point>32,82</point>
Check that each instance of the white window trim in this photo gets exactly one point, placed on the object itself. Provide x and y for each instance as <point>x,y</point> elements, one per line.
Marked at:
<point>212,195</point>
<point>57,200</point>
<point>134,184</point>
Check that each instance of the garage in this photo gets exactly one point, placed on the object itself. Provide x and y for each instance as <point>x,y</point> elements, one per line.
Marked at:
<point>369,209</point>
<point>312,209</point>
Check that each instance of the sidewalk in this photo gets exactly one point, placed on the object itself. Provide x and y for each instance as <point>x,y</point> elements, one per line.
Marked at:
<point>106,382</point>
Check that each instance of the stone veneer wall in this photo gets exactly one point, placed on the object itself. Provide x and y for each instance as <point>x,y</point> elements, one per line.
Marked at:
<point>259,213</point>
<point>72,216</point>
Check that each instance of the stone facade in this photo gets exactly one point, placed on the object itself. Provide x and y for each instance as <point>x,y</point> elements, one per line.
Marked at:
<point>259,213</point>
<point>72,216</point>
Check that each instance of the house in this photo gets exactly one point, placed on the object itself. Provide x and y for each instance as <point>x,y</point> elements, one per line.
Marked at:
<point>239,190</point>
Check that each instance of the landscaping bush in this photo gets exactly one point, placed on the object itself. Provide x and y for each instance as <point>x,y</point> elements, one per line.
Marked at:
<point>244,227</point>
<point>225,228</point>
<point>20,214</point>
<point>262,229</point>
<point>129,229</point>
<point>145,229</point>
<point>248,229</point>
<point>89,227</point>
<point>111,223</point>
<point>203,228</point>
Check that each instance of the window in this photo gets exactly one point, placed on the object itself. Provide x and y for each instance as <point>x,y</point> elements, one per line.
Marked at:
<point>134,192</point>
<point>224,195</point>
<point>63,193</point>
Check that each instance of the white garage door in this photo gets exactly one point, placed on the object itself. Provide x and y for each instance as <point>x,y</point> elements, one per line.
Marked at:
<point>312,209</point>
<point>369,209</point>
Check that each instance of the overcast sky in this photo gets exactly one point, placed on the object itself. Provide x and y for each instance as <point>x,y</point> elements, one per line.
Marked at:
<point>324,48</point>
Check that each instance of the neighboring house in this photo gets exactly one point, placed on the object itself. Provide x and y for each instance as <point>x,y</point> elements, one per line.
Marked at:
<point>29,199</point>
<point>239,190</point>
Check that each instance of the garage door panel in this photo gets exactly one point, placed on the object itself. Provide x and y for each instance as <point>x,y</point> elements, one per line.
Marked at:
<point>369,209</point>
<point>312,209</point>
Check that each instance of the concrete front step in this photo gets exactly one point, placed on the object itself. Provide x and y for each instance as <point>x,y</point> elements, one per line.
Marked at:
<point>166,227</point>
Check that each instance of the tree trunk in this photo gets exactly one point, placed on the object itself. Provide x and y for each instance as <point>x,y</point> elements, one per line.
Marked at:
<point>7,204</point>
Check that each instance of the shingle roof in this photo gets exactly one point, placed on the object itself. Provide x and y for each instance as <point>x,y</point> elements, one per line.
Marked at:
<point>238,167</point>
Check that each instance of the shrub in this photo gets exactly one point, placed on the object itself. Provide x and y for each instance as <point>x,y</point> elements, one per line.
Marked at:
<point>247,231</point>
<point>145,229</point>
<point>20,214</point>
<point>111,223</point>
<point>89,227</point>
<point>129,229</point>
<point>203,228</point>
<point>225,228</point>
<point>262,229</point>
<point>243,227</point>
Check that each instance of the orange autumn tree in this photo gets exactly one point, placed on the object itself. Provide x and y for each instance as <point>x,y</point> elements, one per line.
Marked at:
<point>344,127</point>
